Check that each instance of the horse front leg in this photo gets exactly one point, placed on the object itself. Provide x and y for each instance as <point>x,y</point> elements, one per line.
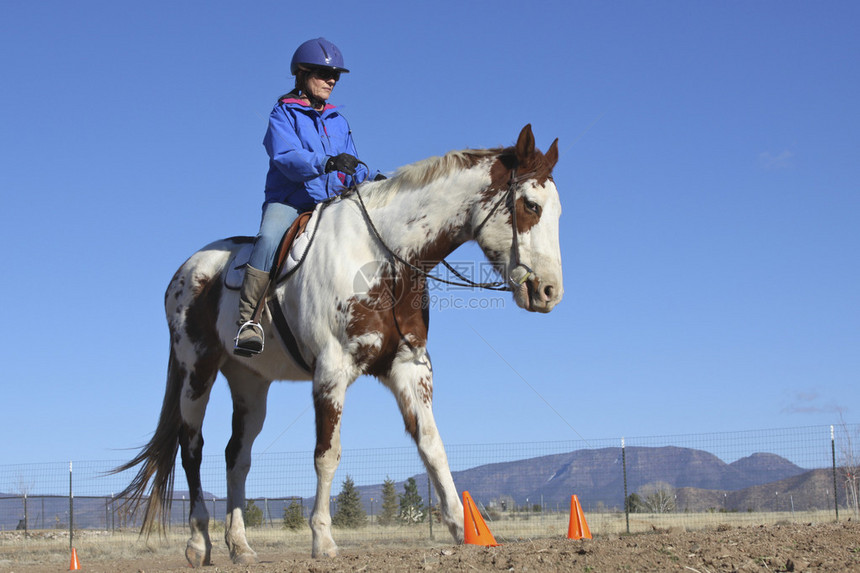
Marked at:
<point>328,394</point>
<point>411,381</point>
<point>249,393</point>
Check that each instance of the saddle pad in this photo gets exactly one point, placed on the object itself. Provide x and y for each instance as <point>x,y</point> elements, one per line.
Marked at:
<point>236,265</point>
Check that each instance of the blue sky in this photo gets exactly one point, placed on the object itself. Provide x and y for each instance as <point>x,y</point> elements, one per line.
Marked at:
<point>709,171</point>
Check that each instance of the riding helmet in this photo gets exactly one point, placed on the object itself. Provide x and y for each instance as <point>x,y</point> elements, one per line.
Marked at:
<point>318,53</point>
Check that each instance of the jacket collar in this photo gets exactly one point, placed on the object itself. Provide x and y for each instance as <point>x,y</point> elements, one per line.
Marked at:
<point>293,100</point>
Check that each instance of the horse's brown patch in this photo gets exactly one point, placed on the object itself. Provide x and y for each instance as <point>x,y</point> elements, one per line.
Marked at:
<point>234,446</point>
<point>192,457</point>
<point>327,418</point>
<point>393,309</point>
<point>175,370</point>
<point>364,355</point>
<point>201,328</point>
<point>410,419</point>
<point>437,248</point>
<point>425,390</point>
<point>241,240</point>
<point>176,284</point>
<point>526,218</point>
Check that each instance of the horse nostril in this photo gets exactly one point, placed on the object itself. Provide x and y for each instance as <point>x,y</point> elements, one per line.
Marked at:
<point>548,292</point>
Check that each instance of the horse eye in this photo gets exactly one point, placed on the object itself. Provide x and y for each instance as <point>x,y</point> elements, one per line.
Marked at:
<point>532,206</point>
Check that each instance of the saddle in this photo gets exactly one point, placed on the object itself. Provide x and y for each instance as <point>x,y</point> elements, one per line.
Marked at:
<point>289,256</point>
<point>291,250</point>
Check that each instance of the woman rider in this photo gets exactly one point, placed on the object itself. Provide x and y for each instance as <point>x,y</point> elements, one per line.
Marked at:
<point>311,157</point>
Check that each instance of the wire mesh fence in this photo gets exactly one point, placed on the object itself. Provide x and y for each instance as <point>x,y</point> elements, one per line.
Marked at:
<point>522,489</point>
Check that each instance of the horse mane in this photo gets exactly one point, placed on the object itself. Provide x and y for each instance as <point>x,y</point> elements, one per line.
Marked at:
<point>422,173</point>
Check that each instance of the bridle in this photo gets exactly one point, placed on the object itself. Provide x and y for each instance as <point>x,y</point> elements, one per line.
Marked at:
<point>516,278</point>
<point>510,196</point>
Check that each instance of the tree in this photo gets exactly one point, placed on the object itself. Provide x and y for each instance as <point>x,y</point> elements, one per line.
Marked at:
<point>411,504</point>
<point>252,514</point>
<point>293,518</point>
<point>390,501</point>
<point>633,503</point>
<point>657,497</point>
<point>350,512</point>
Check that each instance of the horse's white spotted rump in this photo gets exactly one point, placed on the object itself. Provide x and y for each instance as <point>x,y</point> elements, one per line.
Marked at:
<point>351,308</point>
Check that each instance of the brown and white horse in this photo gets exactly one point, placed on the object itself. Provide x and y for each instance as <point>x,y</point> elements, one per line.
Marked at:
<point>319,328</point>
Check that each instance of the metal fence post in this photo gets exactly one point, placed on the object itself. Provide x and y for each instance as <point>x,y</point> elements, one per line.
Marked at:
<point>430,505</point>
<point>71,509</point>
<point>624,469</point>
<point>833,457</point>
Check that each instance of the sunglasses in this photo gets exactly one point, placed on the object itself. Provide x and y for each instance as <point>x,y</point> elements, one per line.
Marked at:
<point>326,74</point>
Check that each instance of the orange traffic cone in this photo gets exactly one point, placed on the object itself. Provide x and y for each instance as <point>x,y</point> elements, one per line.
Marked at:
<point>75,565</point>
<point>476,530</point>
<point>578,528</point>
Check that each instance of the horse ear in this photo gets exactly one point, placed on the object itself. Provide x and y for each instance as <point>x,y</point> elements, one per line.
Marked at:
<point>525,144</point>
<point>552,154</point>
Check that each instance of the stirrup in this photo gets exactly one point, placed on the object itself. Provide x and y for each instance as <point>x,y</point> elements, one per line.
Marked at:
<point>241,350</point>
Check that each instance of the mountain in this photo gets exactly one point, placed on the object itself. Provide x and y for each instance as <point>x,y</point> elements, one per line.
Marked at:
<point>809,491</point>
<point>763,468</point>
<point>597,476</point>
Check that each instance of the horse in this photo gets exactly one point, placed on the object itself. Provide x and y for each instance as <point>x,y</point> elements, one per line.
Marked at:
<point>319,328</point>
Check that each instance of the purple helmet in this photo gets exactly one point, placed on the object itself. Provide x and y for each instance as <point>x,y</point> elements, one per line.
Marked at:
<point>318,53</point>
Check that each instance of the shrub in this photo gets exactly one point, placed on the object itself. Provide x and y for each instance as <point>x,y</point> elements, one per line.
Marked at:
<point>252,514</point>
<point>293,518</point>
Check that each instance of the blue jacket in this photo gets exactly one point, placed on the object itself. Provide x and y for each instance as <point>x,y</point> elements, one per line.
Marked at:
<point>299,141</point>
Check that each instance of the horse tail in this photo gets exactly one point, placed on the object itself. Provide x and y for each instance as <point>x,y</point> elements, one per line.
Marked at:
<point>157,460</point>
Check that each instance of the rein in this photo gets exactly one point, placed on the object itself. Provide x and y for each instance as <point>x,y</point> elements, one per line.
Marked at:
<point>497,286</point>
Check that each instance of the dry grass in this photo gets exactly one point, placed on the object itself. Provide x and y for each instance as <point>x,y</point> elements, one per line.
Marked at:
<point>52,546</point>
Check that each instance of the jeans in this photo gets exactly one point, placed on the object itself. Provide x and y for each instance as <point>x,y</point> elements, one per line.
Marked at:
<point>277,218</point>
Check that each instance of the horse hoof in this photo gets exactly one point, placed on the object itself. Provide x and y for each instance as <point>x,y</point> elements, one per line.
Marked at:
<point>325,553</point>
<point>247,558</point>
<point>196,558</point>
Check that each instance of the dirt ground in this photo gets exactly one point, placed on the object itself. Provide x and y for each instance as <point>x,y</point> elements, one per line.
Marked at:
<point>788,547</point>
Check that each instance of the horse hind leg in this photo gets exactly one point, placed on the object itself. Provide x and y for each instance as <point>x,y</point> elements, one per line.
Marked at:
<point>198,355</point>
<point>198,550</point>
<point>249,392</point>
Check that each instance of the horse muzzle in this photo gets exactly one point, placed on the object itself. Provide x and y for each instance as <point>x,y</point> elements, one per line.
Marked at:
<point>533,293</point>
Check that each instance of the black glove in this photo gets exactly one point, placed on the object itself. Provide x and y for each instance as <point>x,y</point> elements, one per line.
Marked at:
<point>345,163</point>
<point>380,177</point>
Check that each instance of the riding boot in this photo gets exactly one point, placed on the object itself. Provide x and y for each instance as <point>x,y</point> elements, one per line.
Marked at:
<point>250,338</point>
